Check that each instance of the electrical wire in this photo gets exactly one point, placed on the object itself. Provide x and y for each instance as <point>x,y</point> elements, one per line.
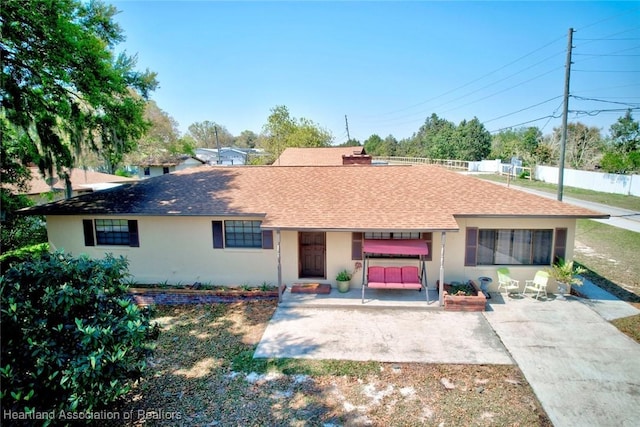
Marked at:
<point>521,110</point>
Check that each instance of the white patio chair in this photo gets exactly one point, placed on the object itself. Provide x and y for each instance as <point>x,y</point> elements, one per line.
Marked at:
<point>506,282</point>
<point>538,284</point>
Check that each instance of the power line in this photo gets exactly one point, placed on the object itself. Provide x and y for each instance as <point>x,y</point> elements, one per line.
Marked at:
<point>521,110</point>
<point>473,81</point>
<point>551,116</point>
<point>601,100</point>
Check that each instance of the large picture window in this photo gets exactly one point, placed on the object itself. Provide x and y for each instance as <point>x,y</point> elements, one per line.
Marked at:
<point>514,247</point>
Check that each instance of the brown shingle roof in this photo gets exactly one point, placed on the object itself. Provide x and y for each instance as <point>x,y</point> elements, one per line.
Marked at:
<point>318,156</point>
<point>80,179</point>
<point>330,197</point>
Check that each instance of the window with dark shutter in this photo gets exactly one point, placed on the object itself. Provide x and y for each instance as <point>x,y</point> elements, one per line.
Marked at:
<point>267,239</point>
<point>356,246</point>
<point>218,237</point>
<point>560,246</point>
<point>134,238</point>
<point>471,247</point>
<point>87,226</point>
<point>428,237</point>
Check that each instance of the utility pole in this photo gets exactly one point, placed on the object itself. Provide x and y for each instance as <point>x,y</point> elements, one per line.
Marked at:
<point>215,131</point>
<point>347,124</point>
<point>565,111</point>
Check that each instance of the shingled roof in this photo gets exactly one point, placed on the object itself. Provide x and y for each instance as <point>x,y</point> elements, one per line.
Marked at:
<point>80,180</point>
<point>316,156</point>
<point>415,198</point>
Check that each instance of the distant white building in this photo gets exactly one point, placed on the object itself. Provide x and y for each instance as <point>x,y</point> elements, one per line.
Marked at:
<point>156,166</point>
<point>227,156</point>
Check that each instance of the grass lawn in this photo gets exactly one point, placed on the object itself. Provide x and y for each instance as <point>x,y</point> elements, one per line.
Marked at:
<point>203,372</point>
<point>618,200</point>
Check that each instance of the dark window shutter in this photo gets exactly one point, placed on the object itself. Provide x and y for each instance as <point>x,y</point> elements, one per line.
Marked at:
<point>87,225</point>
<point>428,237</point>
<point>356,246</point>
<point>471,247</point>
<point>560,248</point>
<point>267,239</point>
<point>134,238</point>
<point>218,241</point>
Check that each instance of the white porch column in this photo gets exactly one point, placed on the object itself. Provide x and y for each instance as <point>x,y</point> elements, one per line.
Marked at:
<point>443,240</point>
<point>280,290</point>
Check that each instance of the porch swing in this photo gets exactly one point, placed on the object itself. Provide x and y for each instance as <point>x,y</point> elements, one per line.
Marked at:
<point>406,277</point>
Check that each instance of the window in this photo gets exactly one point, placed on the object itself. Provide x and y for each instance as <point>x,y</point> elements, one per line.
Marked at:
<point>147,171</point>
<point>240,234</point>
<point>165,170</point>
<point>111,232</point>
<point>508,247</point>
<point>357,238</point>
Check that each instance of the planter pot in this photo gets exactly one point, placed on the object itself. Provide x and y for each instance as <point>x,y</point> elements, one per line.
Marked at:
<point>563,289</point>
<point>343,286</point>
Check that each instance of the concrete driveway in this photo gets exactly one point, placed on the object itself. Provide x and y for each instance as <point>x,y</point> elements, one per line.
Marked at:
<point>582,369</point>
<point>382,334</point>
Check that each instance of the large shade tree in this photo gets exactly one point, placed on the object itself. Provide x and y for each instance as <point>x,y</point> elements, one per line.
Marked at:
<point>282,131</point>
<point>64,88</point>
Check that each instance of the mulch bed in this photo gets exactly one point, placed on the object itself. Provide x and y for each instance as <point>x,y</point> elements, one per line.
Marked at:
<point>145,297</point>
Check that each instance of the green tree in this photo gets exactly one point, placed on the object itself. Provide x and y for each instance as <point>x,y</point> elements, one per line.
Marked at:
<point>246,139</point>
<point>204,133</point>
<point>583,146</point>
<point>64,87</point>
<point>625,133</point>
<point>622,151</point>
<point>435,139</point>
<point>71,339</point>
<point>162,138</point>
<point>372,145</point>
<point>282,131</point>
<point>473,141</point>
<point>524,143</point>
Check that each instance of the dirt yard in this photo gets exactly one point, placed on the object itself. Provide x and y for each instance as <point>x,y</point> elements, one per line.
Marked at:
<point>203,373</point>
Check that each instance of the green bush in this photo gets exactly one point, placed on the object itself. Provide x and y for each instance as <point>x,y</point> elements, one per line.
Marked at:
<point>72,340</point>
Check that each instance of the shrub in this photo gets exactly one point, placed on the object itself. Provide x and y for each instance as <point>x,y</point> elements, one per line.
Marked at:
<point>71,339</point>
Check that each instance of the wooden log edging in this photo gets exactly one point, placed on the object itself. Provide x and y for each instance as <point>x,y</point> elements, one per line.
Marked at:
<point>144,297</point>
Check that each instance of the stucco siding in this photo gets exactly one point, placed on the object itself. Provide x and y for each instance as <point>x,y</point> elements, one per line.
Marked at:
<point>173,250</point>
<point>455,247</point>
<point>180,250</point>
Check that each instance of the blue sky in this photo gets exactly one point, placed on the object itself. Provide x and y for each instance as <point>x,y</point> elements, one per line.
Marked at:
<point>386,65</point>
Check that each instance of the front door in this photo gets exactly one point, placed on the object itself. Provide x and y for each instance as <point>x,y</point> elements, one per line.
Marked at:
<point>312,252</point>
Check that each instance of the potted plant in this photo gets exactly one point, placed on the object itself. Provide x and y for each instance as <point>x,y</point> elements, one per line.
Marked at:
<point>564,274</point>
<point>344,277</point>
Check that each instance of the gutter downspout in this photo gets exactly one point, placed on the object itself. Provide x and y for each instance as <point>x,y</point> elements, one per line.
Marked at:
<point>443,240</point>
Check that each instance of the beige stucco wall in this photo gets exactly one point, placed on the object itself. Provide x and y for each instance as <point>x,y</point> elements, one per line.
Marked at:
<point>175,250</point>
<point>180,250</point>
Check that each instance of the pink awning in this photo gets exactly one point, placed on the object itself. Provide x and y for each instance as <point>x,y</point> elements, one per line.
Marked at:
<point>396,247</point>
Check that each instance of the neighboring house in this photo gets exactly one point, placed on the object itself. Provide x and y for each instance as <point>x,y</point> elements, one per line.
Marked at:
<point>228,156</point>
<point>162,165</point>
<point>264,224</point>
<point>41,190</point>
<point>323,156</point>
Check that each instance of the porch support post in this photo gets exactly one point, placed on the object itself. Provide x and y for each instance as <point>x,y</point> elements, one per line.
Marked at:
<point>279,256</point>
<point>443,240</point>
